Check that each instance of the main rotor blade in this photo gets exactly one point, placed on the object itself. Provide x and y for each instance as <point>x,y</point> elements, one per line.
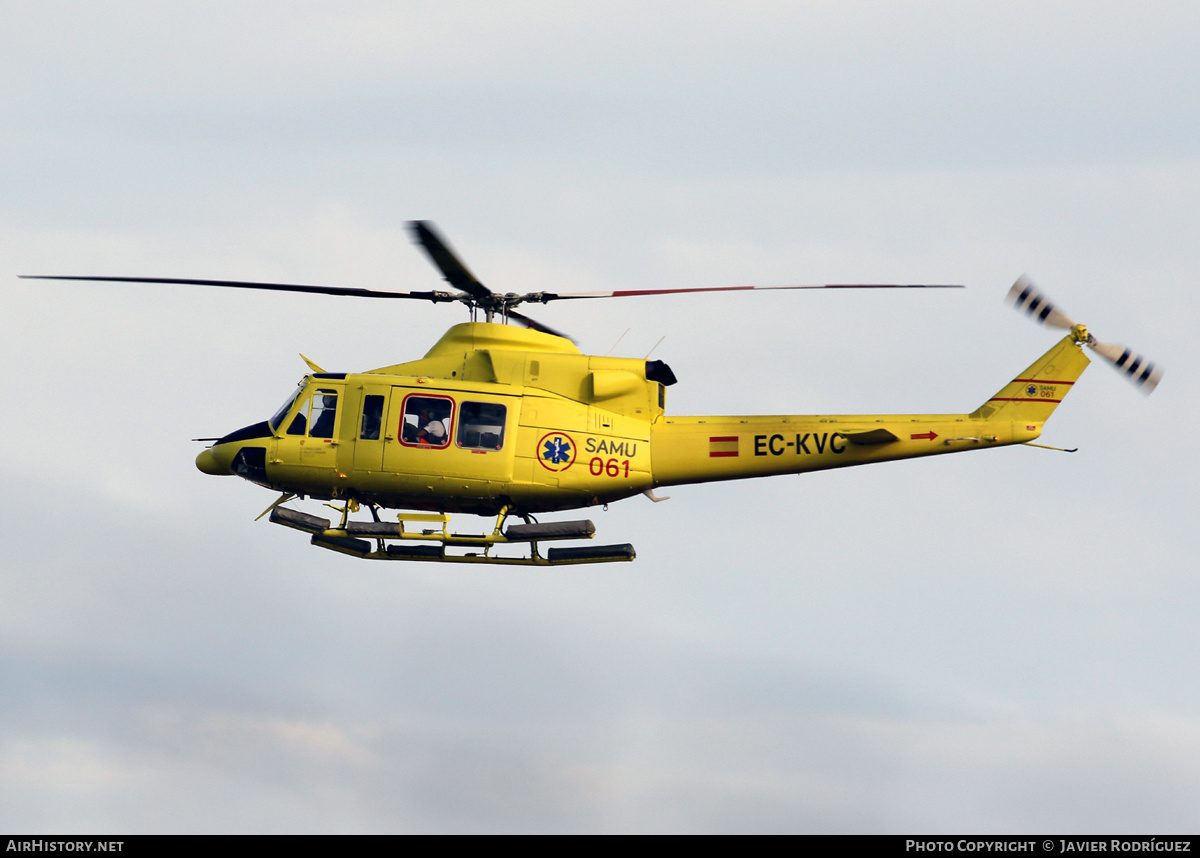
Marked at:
<point>446,261</point>
<point>247,284</point>
<point>630,293</point>
<point>536,326</point>
<point>1026,297</point>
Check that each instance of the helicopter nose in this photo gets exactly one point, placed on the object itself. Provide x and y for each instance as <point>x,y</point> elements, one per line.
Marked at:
<point>219,459</point>
<point>209,463</point>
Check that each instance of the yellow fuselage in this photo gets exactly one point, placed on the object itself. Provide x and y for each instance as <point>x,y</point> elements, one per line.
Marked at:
<point>497,416</point>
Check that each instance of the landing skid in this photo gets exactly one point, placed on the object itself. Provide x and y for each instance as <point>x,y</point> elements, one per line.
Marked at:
<point>384,540</point>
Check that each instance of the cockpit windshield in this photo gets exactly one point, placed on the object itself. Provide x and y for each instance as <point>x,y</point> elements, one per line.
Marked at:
<point>282,412</point>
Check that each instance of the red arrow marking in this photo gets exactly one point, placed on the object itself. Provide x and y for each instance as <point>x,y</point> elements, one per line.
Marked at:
<point>927,436</point>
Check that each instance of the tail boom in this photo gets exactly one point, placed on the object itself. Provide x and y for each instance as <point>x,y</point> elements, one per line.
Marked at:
<point>705,449</point>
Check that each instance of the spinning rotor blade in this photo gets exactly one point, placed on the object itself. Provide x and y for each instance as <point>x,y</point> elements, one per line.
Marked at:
<point>1025,296</point>
<point>452,268</point>
<point>1142,372</point>
<point>536,326</point>
<point>1028,298</point>
<point>458,276</point>
<point>247,284</point>
<point>471,292</point>
<point>630,293</point>
<point>545,297</point>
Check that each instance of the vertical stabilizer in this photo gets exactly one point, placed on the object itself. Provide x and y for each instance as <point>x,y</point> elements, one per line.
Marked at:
<point>1034,394</point>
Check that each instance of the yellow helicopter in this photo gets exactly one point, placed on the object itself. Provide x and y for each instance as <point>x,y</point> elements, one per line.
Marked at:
<point>506,421</point>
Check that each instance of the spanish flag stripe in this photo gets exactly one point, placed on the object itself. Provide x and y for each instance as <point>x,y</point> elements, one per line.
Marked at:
<point>722,446</point>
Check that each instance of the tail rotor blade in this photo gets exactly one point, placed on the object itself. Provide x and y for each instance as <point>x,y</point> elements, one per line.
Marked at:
<point>1142,372</point>
<point>1027,298</point>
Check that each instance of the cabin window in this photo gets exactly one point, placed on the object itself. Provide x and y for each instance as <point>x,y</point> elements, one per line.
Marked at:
<point>426,421</point>
<point>324,413</point>
<point>372,418</point>
<point>481,425</point>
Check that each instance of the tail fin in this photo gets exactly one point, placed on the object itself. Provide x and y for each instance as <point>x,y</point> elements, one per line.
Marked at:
<point>1034,394</point>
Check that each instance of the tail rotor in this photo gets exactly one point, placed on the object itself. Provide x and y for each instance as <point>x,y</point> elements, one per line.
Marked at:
<point>1027,298</point>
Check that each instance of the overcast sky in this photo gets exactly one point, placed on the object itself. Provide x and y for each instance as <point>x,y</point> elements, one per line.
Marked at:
<point>1002,642</point>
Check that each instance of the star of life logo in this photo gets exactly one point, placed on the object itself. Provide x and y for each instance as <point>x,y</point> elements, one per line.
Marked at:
<point>556,451</point>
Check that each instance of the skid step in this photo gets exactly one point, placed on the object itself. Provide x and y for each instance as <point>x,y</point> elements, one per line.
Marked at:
<point>550,530</point>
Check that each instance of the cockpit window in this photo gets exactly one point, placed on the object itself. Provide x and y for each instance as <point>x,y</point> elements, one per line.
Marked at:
<point>321,407</point>
<point>285,408</point>
<point>481,425</point>
<point>426,421</point>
